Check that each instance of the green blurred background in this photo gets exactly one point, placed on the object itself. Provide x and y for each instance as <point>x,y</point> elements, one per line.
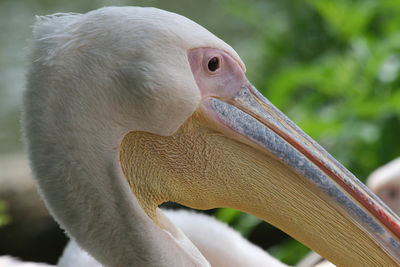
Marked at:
<point>331,66</point>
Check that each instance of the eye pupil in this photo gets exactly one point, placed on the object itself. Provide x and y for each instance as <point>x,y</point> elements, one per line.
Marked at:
<point>213,64</point>
<point>392,193</point>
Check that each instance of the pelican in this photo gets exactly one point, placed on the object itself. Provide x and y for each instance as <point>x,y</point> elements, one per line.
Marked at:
<point>130,107</point>
<point>219,243</point>
<point>226,248</point>
<point>385,182</point>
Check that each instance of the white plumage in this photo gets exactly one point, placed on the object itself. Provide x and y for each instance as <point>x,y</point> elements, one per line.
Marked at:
<point>220,244</point>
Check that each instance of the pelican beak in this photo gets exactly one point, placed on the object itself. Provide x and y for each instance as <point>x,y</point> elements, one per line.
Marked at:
<point>241,152</point>
<point>250,118</point>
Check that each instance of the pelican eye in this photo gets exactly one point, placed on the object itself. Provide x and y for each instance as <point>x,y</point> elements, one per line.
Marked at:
<point>392,193</point>
<point>213,64</point>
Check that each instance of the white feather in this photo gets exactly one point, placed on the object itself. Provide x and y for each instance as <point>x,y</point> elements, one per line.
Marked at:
<point>220,244</point>
<point>94,78</point>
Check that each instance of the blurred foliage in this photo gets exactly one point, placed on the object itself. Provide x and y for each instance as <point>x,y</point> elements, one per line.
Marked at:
<point>333,67</point>
<point>4,217</point>
<point>289,251</point>
<point>243,223</point>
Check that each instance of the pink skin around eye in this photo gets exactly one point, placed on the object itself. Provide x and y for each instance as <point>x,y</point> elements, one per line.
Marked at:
<point>390,194</point>
<point>225,82</point>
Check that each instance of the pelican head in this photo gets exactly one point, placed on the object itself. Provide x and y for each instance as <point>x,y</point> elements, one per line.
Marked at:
<point>129,107</point>
<point>385,182</point>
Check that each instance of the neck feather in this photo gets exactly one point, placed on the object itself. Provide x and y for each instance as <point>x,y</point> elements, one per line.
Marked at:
<point>75,162</point>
